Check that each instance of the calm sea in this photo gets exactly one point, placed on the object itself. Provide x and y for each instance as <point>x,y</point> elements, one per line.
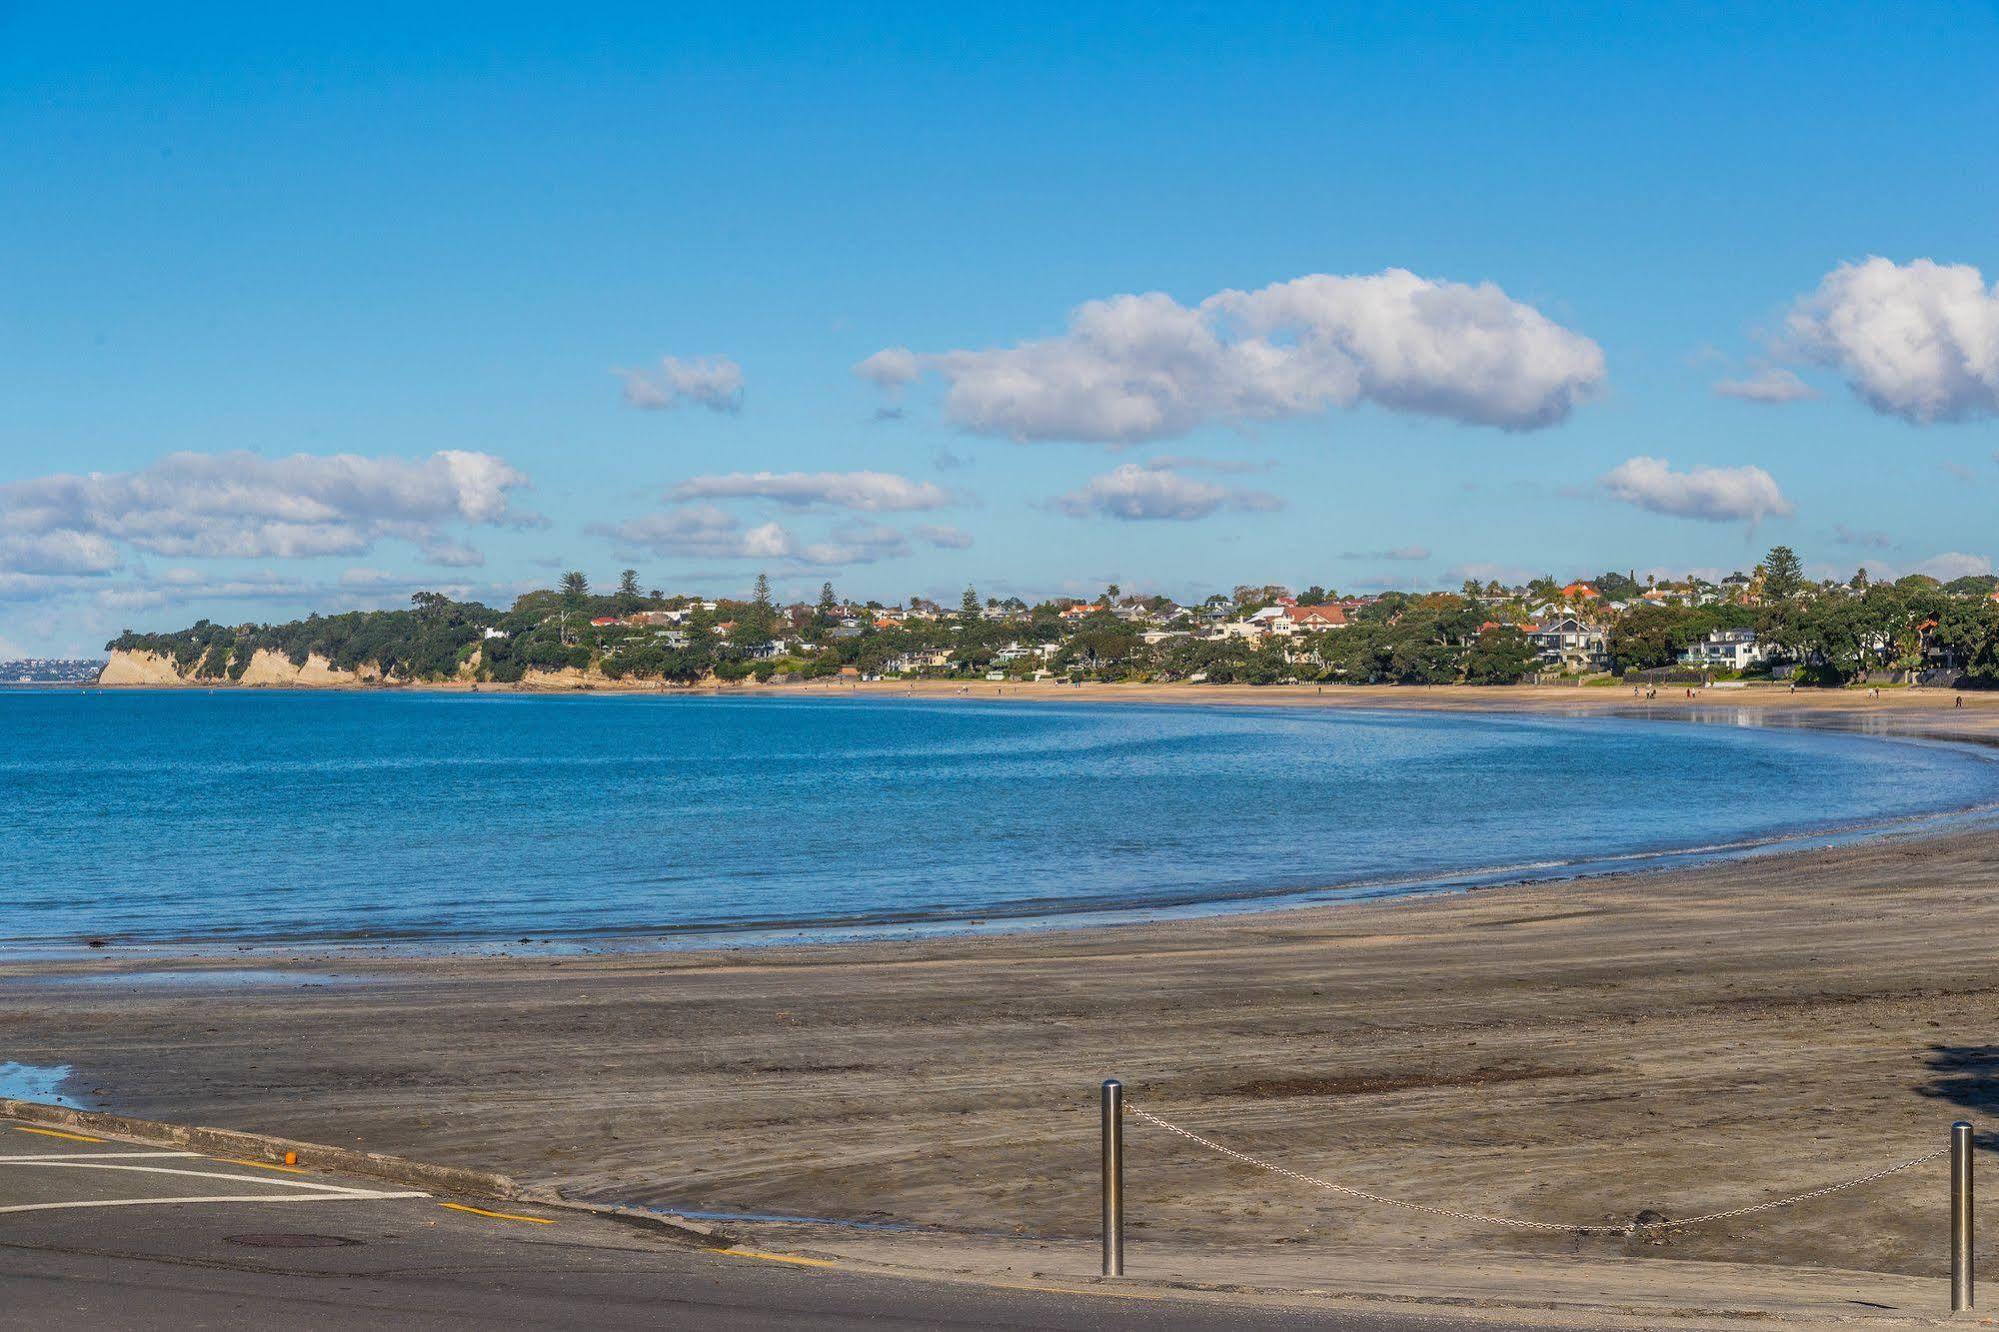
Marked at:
<point>138,816</point>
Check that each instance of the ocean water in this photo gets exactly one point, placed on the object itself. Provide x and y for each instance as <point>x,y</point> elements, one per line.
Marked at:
<point>269,816</point>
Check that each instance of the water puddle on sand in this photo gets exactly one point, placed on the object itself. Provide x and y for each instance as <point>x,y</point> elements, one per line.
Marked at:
<point>35,1082</point>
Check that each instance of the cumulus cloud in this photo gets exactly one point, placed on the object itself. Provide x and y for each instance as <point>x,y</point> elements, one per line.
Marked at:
<point>239,505</point>
<point>1139,492</point>
<point>1395,553</point>
<point>1918,340</point>
<point>61,551</point>
<point>453,554</point>
<point>714,382</point>
<point>1772,385</point>
<point>1138,367</point>
<point>866,492</point>
<point>705,531</point>
<point>1954,564</point>
<point>1711,494</point>
<point>944,537</point>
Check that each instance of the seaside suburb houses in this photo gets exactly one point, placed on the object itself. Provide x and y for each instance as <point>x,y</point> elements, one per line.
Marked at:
<point>1571,643</point>
<point>1726,650</point>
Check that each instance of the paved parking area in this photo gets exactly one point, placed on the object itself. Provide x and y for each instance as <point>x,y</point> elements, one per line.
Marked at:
<point>48,1170</point>
<point>114,1235</point>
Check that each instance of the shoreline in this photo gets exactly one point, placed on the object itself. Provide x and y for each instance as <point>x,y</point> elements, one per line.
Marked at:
<point>1971,728</point>
<point>1572,1051</point>
<point>1680,1040</point>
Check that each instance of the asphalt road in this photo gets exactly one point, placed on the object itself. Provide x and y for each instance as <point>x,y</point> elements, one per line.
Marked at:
<point>111,1235</point>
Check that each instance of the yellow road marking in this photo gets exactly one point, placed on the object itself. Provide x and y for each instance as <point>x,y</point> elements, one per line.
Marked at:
<point>51,1133</point>
<point>777,1257</point>
<point>499,1216</point>
<point>261,1165</point>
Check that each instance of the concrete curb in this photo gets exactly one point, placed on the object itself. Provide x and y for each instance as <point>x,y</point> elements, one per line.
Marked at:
<point>461,1181</point>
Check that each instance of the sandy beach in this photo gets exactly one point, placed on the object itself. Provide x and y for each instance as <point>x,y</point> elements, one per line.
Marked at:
<point>1678,1042</point>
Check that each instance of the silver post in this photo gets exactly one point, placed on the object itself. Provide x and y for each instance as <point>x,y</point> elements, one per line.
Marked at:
<point>1113,1178</point>
<point>1960,1216</point>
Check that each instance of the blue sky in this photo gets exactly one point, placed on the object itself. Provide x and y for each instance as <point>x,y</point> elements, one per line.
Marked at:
<point>383,235</point>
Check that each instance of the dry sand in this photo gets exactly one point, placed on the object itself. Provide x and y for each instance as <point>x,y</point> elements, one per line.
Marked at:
<point>1681,1041</point>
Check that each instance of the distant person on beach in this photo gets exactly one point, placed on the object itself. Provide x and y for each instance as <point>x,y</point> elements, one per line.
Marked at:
<point>1960,700</point>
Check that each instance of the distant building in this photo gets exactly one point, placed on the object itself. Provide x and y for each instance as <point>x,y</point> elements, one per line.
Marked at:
<point>1571,644</point>
<point>1312,619</point>
<point>1726,650</point>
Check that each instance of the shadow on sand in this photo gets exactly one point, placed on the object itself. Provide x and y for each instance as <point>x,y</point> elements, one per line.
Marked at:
<point>1967,1076</point>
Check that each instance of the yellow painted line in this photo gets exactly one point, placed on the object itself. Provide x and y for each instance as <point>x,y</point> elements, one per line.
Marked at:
<point>777,1258</point>
<point>51,1133</point>
<point>499,1216</point>
<point>261,1165</point>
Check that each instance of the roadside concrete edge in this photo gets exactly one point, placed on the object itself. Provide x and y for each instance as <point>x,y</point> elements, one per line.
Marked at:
<point>462,1181</point>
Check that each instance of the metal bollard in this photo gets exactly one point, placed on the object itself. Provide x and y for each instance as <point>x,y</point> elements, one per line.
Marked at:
<point>1960,1216</point>
<point>1113,1178</point>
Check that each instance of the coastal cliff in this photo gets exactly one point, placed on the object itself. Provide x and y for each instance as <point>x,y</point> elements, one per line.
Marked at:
<point>138,668</point>
<point>156,669</point>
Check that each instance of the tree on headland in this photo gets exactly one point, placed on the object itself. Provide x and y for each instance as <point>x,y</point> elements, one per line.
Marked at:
<point>575,587</point>
<point>968,606</point>
<point>828,603</point>
<point>628,583</point>
<point>757,623</point>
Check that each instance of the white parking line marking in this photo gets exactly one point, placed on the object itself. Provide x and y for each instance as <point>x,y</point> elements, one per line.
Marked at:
<point>87,1156</point>
<point>354,1196</point>
<point>56,1162</point>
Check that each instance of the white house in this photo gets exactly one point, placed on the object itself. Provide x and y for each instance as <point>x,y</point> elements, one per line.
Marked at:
<point>1726,650</point>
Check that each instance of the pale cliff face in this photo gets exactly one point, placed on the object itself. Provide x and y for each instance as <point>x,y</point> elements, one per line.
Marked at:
<point>274,670</point>
<point>139,668</point>
<point>266,668</point>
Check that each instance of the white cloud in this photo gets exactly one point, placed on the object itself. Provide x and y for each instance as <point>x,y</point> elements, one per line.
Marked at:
<point>714,382</point>
<point>1772,385</point>
<point>239,505</point>
<point>1139,367</point>
<point>891,368</point>
<point>1917,340</point>
<point>453,554</point>
<point>1954,564</point>
<point>704,531</point>
<point>1138,492</point>
<point>1397,553</point>
<point>945,537</point>
<point>59,551</point>
<point>867,492</point>
<point>854,543</point>
<point>1711,494</point>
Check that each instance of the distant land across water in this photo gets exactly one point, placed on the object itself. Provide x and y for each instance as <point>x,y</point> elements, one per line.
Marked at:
<point>49,670</point>
<point>176,815</point>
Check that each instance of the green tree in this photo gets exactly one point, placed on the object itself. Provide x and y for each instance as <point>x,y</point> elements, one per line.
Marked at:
<point>575,587</point>
<point>628,583</point>
<point>757,622</point>
<point>828,603</point>
<point>1783,574</point>
<point>1502,656</point>
<point>969,606</point>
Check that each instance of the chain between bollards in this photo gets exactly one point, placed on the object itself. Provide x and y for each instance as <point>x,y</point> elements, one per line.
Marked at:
<point>1113,1154</point>
<point>1960,1217</point>
<point>1962,1293</point>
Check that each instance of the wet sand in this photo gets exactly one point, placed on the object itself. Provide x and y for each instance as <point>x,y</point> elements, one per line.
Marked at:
<point>1682,1042</point>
